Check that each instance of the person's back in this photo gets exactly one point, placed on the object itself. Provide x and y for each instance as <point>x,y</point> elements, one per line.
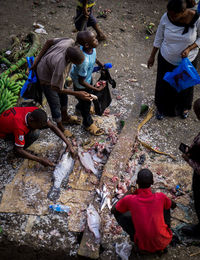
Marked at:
<point>53,64</point>
<point>14,121</point>
<point>145,216</point>
<point>151,232</point>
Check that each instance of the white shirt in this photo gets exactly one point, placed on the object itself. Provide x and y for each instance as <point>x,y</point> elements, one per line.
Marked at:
<point>171,42</point>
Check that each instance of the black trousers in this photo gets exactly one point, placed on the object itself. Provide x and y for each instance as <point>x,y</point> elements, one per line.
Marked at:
<point>196,193</point>
<point>167,99</point>
<point>84,107</point>
<point>125,221</point>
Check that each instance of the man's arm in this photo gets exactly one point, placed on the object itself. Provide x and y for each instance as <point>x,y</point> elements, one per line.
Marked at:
<point>46,46</point>
<point>99,63</point>
<point>186,156</point>
<point>59,133</point>
<point>113,210</point>
<point>131,191</point>
<point>27,155</point>
<point>195,165</point>
<point>79,94</point>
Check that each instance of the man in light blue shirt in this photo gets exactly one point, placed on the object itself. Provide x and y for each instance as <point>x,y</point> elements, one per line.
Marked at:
<point>82,78</point>
<point>84,70</point>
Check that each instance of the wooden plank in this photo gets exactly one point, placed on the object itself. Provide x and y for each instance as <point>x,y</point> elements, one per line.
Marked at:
<point>87,247</point>
<point>122,151</point>
<point>116,164</point>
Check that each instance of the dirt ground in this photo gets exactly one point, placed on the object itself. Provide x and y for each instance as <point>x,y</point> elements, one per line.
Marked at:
<point>127,48</point>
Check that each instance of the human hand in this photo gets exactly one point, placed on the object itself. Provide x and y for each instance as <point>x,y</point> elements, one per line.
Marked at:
<point>100,85</point>
<point>99,88</point>
<point>185,53</point>
<point>83,95</point>
<point>46,162</point>
<point>150,62</point>
<point>72,151</point>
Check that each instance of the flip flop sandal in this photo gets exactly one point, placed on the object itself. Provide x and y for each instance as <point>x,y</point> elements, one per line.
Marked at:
<point>92,110</point>
<point>72,120</point>
<point>67,133</point>
<point>94,130</point>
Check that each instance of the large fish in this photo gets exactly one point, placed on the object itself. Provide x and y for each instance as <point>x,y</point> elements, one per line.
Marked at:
<point>87,162</point>
<point>62,171</point>
<point>94,220</point>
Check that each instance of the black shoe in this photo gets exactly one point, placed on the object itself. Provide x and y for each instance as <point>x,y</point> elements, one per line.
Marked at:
<point>184,115</point>
<point>191,230</point>
<point>159,115</point>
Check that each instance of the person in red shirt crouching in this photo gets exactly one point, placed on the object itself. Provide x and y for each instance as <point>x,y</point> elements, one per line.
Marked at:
<point>21,123</point>
<point>145,216</point>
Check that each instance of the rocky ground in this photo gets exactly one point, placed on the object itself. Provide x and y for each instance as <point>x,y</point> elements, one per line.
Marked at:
<point>25,236</point>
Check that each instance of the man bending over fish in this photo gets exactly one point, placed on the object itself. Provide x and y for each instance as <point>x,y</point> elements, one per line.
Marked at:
<point>145,216</point>
<point>21,125</point>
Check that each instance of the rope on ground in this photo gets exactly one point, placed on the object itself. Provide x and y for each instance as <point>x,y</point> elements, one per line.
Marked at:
<point>148,146</point>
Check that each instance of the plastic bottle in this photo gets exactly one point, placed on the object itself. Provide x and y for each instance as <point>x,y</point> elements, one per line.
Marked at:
<point>60,208</point>
<point>179,191</point>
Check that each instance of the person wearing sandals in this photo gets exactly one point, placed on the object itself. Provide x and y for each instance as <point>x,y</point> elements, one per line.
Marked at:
<point>82,78</point>
<point>53,65</point>
<point>84,18</point>
<point>177,37</point>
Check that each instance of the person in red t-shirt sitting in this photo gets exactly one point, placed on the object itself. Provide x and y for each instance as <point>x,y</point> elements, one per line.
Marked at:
<point>145,216</point>
<point>21,123</point>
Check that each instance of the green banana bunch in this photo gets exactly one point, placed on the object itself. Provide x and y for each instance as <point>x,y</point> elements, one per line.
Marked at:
<point>9,92</point>
<point>7,99</point>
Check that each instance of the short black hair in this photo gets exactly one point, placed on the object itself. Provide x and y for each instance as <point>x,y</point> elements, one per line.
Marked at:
<point>177,6</point>
<point>40,117</point>
<point>75,55</point>
<point>83,37</point>
<point>196,107</point>
<point>145,178</point>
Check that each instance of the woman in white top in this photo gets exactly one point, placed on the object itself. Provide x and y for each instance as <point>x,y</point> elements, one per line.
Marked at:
<point>177,36</point>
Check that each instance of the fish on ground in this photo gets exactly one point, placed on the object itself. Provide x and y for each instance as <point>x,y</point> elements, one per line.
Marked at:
<point>94,220</point>
<point>86,161</point>
<point>62,171</point>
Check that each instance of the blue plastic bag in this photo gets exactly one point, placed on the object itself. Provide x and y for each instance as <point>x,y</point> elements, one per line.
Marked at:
<point>105,66</point>
<point>31,76</point>
<point>182,77</point>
